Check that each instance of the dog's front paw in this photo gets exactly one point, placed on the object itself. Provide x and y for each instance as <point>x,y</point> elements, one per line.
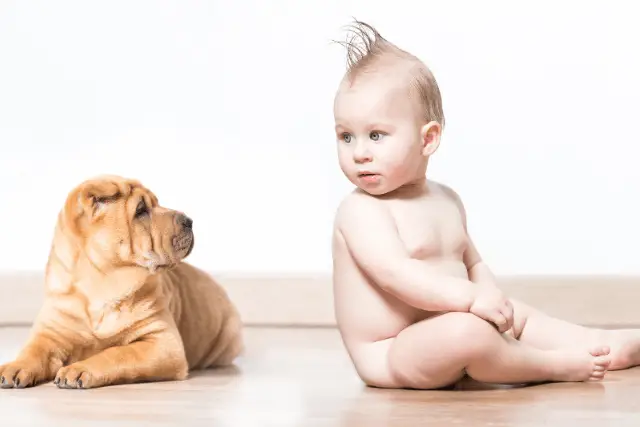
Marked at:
<point>77,375</point>
<point>23,373</point>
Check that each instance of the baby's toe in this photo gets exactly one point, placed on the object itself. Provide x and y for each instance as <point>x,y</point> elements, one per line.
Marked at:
<point>599,368</point>
<point>600,351</point>
<point>602,362</point>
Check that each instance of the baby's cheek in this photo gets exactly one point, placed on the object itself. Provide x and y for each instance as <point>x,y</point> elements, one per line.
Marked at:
<point>347,167</point>
<point>398,163</point>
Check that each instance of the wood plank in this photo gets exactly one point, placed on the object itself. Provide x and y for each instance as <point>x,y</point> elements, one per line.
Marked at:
<point>302,377</point>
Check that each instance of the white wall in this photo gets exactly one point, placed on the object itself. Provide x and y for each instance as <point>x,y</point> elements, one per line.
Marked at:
<point>224,108</point>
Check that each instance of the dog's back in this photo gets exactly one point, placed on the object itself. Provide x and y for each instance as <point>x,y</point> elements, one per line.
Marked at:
<point>209,323</point>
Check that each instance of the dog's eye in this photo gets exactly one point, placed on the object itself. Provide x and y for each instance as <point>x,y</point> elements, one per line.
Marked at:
<point>141,210</point>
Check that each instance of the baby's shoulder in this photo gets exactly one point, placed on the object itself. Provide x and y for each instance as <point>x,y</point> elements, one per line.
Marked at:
<point>452,196</point>
<point>356,204</point>
<point>446,191</point>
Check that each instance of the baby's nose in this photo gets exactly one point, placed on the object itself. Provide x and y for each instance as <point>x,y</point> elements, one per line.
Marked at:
<point>361,156</point>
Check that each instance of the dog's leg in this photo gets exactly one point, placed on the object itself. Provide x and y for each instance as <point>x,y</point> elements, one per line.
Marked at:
<point>37,362</point>
<point>155,357</point>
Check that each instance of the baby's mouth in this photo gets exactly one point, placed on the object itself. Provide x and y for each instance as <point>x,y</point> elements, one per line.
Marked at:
<point>369,177</point>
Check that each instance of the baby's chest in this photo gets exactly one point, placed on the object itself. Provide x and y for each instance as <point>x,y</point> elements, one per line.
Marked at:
<point>431,229</point>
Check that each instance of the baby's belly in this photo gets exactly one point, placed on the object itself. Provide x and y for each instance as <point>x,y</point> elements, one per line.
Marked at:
<point>365,313</point>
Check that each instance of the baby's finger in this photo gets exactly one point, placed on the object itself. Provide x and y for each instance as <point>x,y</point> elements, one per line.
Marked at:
<point>501,322</point>
<point>509,307</point>
<point>508,314</point>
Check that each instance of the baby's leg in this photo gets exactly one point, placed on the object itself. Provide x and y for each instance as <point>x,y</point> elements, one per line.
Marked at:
<point>542,331</point>
<point>436,352</point>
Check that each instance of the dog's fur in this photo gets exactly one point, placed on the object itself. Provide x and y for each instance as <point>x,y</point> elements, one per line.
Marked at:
<point>120,304</point>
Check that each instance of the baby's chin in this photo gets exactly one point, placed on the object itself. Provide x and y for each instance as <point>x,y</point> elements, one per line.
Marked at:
<point>377,189</point>
<point>376,192</point>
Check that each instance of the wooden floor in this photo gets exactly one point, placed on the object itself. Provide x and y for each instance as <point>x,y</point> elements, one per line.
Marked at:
<point>302,377</point>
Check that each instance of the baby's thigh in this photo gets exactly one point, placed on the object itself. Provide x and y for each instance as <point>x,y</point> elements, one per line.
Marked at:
<point>433,353</point>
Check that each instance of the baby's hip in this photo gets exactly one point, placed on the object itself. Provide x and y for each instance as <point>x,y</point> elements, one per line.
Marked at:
<point>426,355</point>
<point>371,362</point>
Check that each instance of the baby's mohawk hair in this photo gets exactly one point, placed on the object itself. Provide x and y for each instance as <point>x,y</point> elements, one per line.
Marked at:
<point>364,44</point>
<point>366,47</point>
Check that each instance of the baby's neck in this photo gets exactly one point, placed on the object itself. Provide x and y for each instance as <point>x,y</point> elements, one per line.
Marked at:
<point>416,188</point>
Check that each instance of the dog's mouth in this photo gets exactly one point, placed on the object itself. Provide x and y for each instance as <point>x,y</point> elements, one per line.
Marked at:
<point>183,244</point>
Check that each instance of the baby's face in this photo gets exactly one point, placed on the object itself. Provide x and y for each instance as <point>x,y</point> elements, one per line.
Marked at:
<point>379,134</point>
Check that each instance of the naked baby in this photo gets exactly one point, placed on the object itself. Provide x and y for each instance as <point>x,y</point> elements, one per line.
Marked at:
<point>415,304</point>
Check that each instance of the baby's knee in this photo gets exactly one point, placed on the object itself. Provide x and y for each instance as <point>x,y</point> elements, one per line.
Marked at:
<point>465,324</point>
<point>468,332</point>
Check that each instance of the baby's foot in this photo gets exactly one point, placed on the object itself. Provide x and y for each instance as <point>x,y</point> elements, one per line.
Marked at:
<point>581,366</point>
<point>625,348</point>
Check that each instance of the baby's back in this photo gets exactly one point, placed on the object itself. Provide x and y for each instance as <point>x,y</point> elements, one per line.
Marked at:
<point>431,229</point>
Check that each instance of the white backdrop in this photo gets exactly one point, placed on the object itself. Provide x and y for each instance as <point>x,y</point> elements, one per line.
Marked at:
<point>224,108</point>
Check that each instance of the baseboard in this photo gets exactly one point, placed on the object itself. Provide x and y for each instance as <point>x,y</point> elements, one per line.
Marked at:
<point>307,300</point>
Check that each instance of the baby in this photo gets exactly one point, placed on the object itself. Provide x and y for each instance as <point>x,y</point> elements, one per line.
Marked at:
<point>415,304</point>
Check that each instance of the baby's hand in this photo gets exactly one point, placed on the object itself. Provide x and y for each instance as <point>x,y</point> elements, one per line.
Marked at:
<point>493,306</point>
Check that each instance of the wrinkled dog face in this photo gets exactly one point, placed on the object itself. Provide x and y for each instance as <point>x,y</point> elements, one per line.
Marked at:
<point>119,222</point>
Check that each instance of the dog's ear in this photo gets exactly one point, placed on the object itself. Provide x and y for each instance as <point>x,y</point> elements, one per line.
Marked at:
<point>88,199</point>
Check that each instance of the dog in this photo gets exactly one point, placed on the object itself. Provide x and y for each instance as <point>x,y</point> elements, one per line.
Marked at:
<point>121,306</point>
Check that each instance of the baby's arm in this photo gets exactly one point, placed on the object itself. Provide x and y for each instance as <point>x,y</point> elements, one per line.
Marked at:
<point>477,269</point>
<point>372,239</point>
<point>480,274</point>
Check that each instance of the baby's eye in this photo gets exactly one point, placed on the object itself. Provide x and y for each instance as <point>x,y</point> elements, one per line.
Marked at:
<point>346,137</point>
<point>375,135</point>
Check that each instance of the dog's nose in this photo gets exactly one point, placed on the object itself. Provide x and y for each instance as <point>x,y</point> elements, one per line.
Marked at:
<point>185,221</point>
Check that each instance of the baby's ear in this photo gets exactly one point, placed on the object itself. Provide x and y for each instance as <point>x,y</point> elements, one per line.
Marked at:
<point>430,137</point>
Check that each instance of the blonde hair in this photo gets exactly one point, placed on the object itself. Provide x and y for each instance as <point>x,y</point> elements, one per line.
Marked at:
<point>366,48</point>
